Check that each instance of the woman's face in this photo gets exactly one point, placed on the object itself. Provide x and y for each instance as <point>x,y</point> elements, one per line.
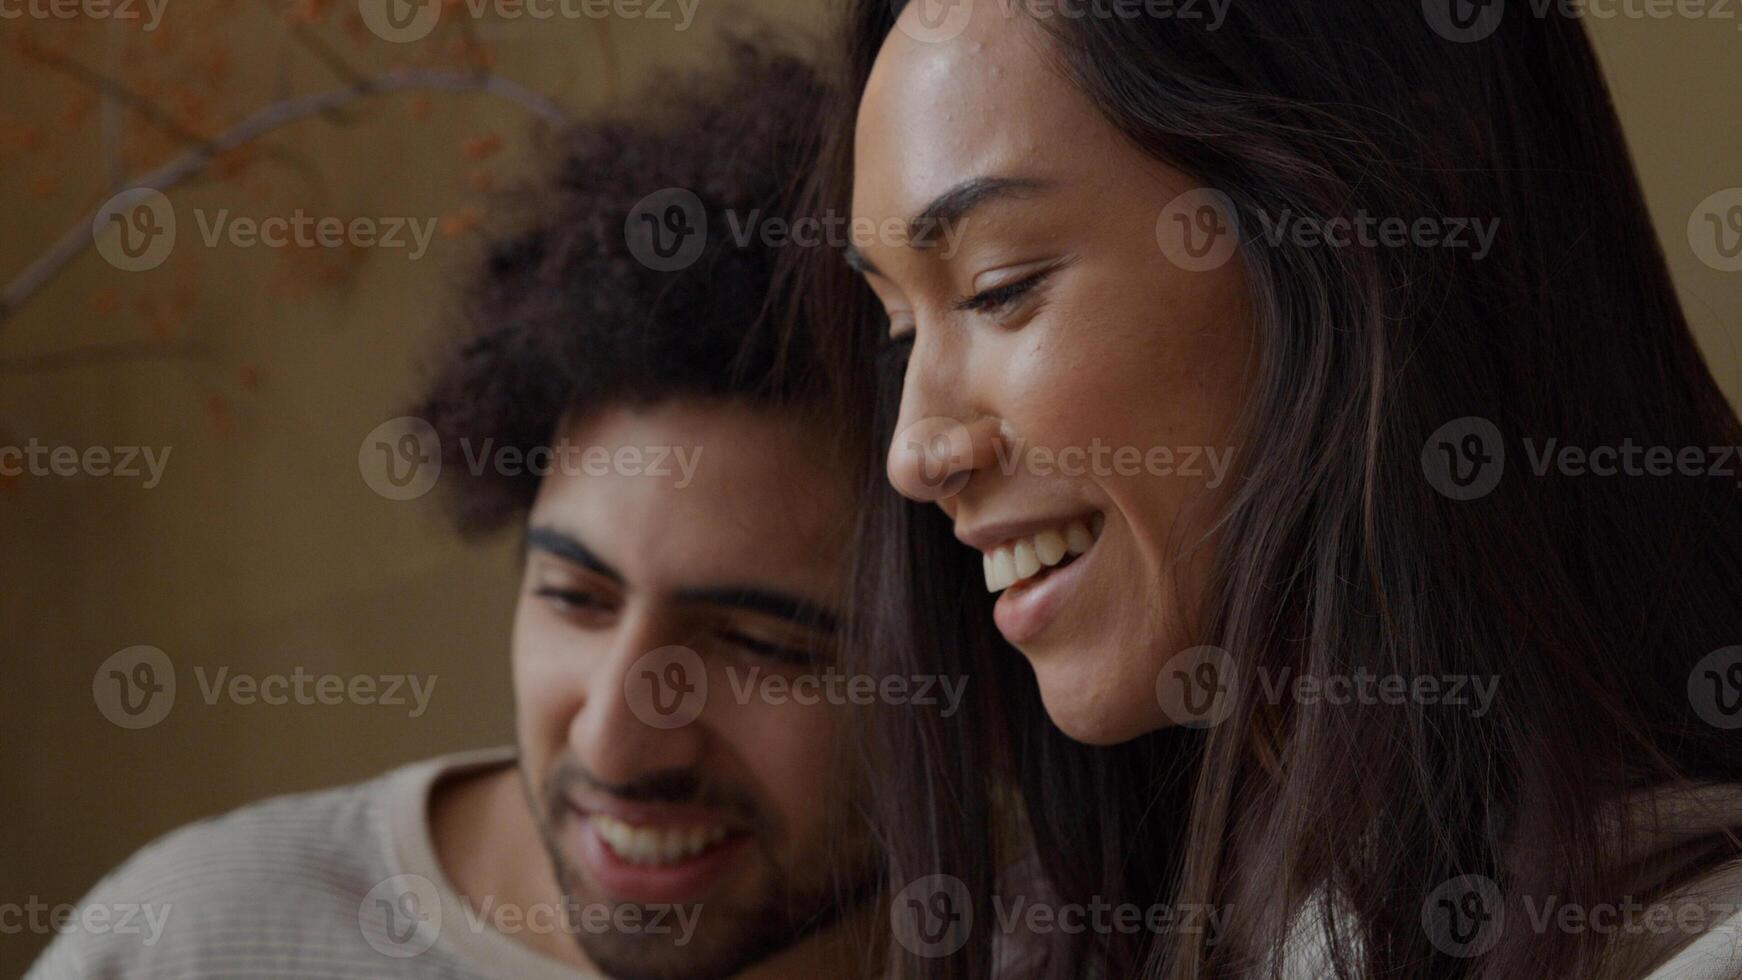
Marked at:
<point>1072,392</point>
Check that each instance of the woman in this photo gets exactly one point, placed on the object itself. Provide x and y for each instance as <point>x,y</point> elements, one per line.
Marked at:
<point>1402,680</point>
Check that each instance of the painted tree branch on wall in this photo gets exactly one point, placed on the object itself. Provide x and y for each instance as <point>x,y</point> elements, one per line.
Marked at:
<point>198,151</point>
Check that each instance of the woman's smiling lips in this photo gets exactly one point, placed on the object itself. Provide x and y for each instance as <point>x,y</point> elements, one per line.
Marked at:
<point>1036,564</point>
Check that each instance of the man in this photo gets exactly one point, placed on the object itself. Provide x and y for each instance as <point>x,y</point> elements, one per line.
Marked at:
<point>669,811</point>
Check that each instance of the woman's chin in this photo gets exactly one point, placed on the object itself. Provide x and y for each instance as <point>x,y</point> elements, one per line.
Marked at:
<point>1093,704</point>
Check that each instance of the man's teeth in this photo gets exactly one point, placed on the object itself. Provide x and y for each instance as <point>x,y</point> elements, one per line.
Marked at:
<point>649,845</point>
<point>1023,558</point>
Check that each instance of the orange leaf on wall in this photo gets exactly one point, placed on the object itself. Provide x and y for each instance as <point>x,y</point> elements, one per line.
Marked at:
<point>482,147</point>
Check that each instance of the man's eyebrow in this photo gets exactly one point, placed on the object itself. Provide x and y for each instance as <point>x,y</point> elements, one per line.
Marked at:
<point>952,205</point>
<point>798,611</point>
<point>569,548</point>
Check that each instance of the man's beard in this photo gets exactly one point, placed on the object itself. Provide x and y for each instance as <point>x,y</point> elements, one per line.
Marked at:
<point>724,940</point>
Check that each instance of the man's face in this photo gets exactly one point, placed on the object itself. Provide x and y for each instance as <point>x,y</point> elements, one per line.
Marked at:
<point>654,614</point>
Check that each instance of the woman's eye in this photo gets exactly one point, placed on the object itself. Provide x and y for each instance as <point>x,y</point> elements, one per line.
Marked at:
<point>999,299</point>
<point>894,352</point>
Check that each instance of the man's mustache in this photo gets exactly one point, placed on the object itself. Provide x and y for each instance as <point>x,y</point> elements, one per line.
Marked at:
<point>568,779</point>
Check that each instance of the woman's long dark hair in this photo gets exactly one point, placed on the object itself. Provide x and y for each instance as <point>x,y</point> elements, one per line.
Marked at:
<point>1590,599</point>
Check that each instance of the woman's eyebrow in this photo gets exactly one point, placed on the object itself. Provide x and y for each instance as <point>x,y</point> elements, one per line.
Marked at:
<point>952,205</point>
<point>955,203</point>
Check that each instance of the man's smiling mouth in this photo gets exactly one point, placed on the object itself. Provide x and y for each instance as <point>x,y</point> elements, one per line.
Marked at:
<point>656,845</point>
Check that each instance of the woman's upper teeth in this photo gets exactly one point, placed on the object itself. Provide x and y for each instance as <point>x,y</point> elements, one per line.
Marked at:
<point>1024,557</point>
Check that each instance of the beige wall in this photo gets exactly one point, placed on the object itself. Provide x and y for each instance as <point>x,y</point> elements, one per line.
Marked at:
<point>263,550</point>
<point>1673,82</point>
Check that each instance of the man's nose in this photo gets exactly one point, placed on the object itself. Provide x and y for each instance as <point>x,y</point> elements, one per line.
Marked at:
<point>644,712</point>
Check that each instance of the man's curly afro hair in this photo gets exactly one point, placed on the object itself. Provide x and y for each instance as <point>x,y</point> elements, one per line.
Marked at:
<point>560,318</point>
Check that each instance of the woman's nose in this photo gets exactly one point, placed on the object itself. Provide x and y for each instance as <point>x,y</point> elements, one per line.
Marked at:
<point>933,458</point>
